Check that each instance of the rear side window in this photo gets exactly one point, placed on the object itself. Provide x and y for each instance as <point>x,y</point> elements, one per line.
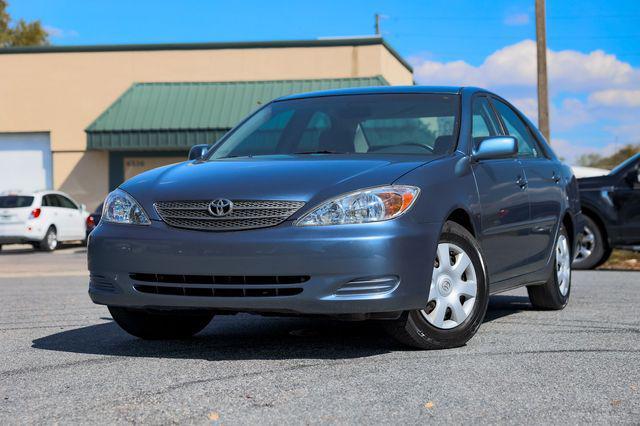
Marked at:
<point>50,201</point>
<point>66,203</point>
<point>15,201</point>
<point>527,146</point>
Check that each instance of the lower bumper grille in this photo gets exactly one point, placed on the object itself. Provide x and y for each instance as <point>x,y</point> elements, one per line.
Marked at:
<point>220,279</point>
<point>217,292</point>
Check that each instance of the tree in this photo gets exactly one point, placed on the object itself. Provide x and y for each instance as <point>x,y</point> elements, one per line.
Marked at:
<point>596,160</point>
<point>21,33</point>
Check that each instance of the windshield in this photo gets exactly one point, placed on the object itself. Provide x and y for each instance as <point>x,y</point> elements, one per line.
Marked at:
<point>15,201</point>
<point>423,124</point>
<point>625,163</point>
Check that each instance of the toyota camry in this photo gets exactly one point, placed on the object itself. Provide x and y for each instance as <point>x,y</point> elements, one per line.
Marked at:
<point>408,205</point>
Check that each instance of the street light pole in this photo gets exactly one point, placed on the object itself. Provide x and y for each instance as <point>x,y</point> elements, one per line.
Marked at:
<point>543,91</point>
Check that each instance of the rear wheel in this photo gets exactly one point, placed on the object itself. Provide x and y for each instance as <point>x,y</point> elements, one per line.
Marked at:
<point>554,294</point>
<point>592,250</point>
<point>160,325</point>
<point>50,240</point>
<point>458,296</point>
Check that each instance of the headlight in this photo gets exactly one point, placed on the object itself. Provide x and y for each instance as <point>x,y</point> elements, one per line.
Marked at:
<point>120,207</point>
<point>364,206</point>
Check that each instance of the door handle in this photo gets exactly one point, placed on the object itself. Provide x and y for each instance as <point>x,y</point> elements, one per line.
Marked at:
<point>521,182</point>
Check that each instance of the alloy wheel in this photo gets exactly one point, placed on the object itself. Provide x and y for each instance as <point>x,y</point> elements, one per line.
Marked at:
<point>52,240</point>
<point>563,264</point>
<point>454,285</point>
<point>586,244</point>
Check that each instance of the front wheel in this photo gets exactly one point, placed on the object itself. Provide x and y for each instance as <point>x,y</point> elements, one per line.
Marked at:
<point>554,294</point>
<point>592,248</point>
<point>458,296</point>
<point>158,326</point>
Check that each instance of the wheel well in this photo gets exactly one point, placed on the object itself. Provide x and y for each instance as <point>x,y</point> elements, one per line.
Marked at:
<point>568,226</point>
<point>462,218</point>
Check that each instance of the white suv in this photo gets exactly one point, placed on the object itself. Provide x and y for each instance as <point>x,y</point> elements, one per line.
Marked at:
<point>42,219</point>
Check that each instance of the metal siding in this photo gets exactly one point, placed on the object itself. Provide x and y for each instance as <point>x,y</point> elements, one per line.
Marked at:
<point>165,116</point>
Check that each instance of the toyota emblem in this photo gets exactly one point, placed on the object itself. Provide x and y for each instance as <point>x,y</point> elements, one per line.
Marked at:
<point>220,207</point>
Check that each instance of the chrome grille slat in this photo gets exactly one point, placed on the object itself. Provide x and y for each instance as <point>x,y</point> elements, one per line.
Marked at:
<point>246,214</point>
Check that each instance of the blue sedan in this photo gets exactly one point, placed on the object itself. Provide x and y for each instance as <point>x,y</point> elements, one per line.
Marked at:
<point>404,204</point>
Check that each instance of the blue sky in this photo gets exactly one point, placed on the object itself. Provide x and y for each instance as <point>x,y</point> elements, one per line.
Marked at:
<point>594,46</point>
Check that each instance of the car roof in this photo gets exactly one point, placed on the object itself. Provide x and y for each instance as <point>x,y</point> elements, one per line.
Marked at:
<point>33,193</point>
<point>452,90</point>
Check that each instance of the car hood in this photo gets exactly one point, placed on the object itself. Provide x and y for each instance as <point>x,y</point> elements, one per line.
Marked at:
<point>310,179</point>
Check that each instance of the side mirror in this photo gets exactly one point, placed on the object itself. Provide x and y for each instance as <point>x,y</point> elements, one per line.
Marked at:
<point>494,147</point>
<point>198,151</point>
<point>633,177</point>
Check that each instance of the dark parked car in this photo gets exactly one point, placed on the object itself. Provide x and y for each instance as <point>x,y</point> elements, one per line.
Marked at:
<point>94,219</point>
<point>404,204</point>
<point>611,207</point>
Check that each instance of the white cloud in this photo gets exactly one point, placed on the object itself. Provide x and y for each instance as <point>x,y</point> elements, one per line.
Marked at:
<point>571,151</point>
<point>516,19</point>
<point>616,98</point>
<point>515,65</point>
<point>56,32</point>
<point>528,106</point>
<point>592,95</point>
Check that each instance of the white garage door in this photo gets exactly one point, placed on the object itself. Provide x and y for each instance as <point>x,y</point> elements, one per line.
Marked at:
<point>25,162</point>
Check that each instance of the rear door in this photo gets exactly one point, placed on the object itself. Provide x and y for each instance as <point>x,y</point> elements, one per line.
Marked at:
<point>53,214</point>
<point>74,222</point>
<point>504,202</point>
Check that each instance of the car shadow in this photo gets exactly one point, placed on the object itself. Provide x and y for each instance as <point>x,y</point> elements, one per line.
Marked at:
<point>240,337</point>
<point>251,337</point>
<point>502,305</point>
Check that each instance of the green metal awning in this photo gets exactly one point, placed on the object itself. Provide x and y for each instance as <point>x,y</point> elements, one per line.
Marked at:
<point>176,116</point>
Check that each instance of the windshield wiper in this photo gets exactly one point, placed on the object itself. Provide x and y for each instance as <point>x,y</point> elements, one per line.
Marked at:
<point>318,152</point>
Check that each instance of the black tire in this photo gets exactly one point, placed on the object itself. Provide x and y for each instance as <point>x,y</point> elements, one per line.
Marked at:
<point>160,325</point>
<point>50,240</point>
<point>549,295</point>
<point>413,329</point>
<point>598,250</point>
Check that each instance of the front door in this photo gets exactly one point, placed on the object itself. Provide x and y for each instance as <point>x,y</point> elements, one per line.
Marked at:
<point>504,203</point>
<point>626,199</point>
<point>544,187</point>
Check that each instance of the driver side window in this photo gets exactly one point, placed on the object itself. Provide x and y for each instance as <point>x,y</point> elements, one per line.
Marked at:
<point>484,122</point>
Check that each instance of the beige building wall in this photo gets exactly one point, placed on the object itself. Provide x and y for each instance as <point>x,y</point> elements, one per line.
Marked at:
<point>63,92</point>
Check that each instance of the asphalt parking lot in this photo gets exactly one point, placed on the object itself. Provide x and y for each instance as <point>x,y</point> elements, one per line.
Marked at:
<point>63,360</point>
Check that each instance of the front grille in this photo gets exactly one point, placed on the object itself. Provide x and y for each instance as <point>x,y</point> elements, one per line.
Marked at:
<point>245,214</point>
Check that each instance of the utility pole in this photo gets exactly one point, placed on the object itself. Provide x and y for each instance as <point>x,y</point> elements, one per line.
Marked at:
<point>377,25</point>
<point>543,88</point>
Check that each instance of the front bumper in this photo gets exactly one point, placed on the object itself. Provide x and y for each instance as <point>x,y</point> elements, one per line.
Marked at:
<point>330,256</point>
